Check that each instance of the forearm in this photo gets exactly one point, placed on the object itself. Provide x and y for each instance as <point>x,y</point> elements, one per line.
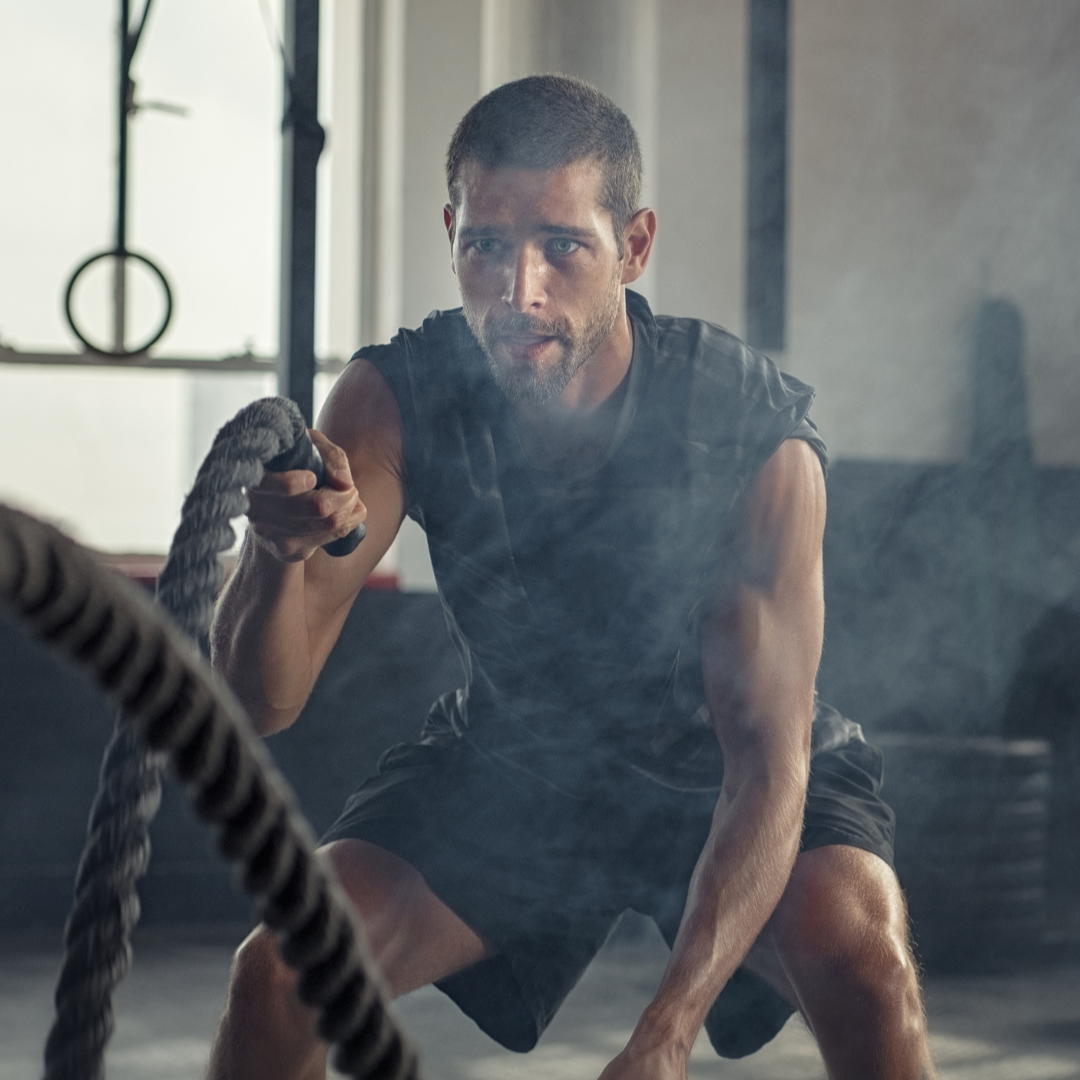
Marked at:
<point>760,647</point>
<point>259,640</point>
<point>286,603</point>
<point>737,883</point>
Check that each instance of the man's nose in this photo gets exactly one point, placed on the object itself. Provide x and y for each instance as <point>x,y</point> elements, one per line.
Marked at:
<point>524,286</point>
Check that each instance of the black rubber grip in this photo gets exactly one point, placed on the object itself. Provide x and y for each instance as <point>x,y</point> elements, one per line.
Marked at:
<point>303,454</point>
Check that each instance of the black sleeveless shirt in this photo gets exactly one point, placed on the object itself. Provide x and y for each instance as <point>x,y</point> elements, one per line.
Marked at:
<point>574,598</point>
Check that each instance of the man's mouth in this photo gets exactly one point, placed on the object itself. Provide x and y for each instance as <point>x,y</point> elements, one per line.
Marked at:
<point>527,347</point>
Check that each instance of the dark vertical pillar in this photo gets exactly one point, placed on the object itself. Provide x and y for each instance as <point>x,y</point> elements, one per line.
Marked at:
<point>123,111</point>
<point>766,174</point>
<point>371,158</point>
<point>302,143</point>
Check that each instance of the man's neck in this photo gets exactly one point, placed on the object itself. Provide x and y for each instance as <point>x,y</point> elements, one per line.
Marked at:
<point>576,428</point>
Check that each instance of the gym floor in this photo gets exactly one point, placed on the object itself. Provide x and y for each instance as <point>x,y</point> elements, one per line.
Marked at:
<point>1022,1026</point>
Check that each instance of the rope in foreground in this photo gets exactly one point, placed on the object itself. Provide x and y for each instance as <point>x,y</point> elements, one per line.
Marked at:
<point>173,708</point>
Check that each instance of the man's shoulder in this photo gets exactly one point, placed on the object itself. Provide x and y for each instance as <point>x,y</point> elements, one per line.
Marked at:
<point>735,399</point>
<point>440,331</point>
<point>683,343</point>
<point>430,366</point>
<point>709,350</point>
<point>683,335</point>
<point>446,325</point>
<point>714,362</point>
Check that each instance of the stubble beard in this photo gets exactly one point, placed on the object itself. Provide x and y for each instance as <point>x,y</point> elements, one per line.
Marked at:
<point>534,384</point>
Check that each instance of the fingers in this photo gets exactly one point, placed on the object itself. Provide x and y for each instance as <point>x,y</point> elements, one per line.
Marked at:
<point>295,482</point>
<point>335,461</point>
<point>294,527</point>
<point>292,519</point>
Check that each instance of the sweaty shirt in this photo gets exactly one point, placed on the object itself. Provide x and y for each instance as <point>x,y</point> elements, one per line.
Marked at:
<point>575,596</point>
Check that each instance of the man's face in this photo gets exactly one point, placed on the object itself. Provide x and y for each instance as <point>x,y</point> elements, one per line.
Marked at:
<point>539,271</point>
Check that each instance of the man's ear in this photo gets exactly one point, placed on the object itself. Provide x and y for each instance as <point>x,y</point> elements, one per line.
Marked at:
<point>448,221</point>
<point>638,239</point>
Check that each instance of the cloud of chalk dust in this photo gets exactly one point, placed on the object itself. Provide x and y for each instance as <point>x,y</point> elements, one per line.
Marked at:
<point>933,245</point>
<point>933,232</point>
<point>933,239</point>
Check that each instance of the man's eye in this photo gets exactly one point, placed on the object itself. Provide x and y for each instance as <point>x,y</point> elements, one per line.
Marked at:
<point>485,245</point>
<point>562,245</point>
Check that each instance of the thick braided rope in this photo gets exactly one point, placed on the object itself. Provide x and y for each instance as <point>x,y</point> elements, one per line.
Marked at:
<point>97,950</point>
<point>318,939</point>
<point>192,576</point>
<point>174,704</point>
<point>105,909</point>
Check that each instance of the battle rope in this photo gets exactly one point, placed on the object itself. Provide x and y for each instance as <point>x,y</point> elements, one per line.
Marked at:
<point>171,705</point>
<point>106,905</point>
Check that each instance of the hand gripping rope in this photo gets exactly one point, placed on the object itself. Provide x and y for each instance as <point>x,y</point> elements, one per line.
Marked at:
<point>173,708</point>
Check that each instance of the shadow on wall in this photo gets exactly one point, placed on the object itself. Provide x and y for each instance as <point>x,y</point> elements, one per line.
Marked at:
<point>935,574</point>
<point>1044,702</point>
<point>908,645</point>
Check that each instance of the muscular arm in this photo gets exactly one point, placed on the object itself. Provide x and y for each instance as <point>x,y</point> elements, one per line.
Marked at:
<point>761,644</point>
<point>285,605</point>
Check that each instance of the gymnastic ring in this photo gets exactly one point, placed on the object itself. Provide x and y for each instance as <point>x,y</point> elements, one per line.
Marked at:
<point>113,253</point>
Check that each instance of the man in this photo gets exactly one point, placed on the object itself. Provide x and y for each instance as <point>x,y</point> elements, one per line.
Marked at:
<point>625,515</point>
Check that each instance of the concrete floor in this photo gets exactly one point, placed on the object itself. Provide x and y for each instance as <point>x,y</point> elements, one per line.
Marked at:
<point>1016,1027</point>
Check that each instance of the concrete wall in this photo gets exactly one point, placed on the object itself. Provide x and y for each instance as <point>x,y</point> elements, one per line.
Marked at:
<point>442,71</point>
<point>699,167</point>
<point>935,153</point>
<point>935,159</point>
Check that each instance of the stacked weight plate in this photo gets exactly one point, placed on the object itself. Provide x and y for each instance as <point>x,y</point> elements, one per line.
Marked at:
<point>972,817</point>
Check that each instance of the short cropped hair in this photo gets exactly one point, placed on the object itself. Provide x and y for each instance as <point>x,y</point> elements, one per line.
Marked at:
<point>546,122</point>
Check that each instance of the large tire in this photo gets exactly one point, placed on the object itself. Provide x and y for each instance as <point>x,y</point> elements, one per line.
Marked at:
<point>971,839</point>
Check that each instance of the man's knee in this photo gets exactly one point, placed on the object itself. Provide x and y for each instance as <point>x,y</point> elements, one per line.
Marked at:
<point>843,923</point>
<point>258,972</point>
<point>413,936</point>
<point>264,1031</point>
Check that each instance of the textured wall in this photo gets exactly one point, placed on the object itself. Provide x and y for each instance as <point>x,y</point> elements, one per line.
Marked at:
<point>935,159</point>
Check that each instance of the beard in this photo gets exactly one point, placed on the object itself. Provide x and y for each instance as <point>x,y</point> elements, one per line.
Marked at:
<point>526,383</point>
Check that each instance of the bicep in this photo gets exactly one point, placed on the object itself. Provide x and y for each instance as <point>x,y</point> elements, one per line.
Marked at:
<point>360,416</point>
<point>761,640</point>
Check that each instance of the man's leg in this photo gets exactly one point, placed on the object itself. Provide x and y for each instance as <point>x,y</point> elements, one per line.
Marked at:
<point>837,947</point>
<point>265,1032</point>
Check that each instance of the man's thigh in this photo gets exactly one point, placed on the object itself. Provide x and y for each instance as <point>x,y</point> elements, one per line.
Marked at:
<point>414,937</point>
<point>534,872</point>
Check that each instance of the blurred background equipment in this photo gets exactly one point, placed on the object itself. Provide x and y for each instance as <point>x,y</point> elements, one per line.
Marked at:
<point>303,141</point>
<point>119,254</point>
<point>971,846</point>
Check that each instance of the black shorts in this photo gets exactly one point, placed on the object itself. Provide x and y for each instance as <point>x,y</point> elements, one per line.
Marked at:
<point>544,876</point>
